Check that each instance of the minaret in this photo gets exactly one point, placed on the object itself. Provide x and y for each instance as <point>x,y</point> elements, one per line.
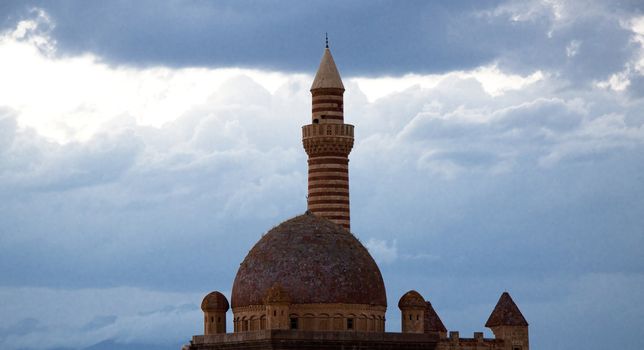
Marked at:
<point>328,142</point>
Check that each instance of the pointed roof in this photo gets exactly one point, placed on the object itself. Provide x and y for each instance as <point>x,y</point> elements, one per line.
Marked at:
<point>327,76</point>
<point>433,323</point>
<point>506,313</point>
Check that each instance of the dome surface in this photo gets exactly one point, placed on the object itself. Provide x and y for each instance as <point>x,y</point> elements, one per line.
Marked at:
<point>214,301</point>
<point>411,299</point>
<point>315,261</point>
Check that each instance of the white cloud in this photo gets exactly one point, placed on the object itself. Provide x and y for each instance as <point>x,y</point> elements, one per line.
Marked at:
<point>35,31</point>
<point>636,25</point>
<point>573,48</point>
<point>494,81</point>
<point>634,68</point>
<point>596,138</point>
<point>421,256</point>
<point>77,95</point>
<point>616,82</point>
<point>383,251</point>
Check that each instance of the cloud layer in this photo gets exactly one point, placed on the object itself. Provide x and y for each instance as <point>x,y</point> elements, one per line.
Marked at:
<point>570,38</point>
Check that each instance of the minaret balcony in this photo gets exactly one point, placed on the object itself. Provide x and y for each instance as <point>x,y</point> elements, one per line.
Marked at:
<point>333,130</point>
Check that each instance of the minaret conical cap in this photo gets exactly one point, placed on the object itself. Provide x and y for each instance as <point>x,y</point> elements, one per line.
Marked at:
<point>327,76</point>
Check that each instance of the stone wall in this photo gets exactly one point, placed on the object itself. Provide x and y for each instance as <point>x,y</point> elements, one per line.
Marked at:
<point>312,317</point>
<point>272,339</point>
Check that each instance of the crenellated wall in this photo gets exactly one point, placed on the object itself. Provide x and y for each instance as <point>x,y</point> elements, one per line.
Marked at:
<point>478,342</point>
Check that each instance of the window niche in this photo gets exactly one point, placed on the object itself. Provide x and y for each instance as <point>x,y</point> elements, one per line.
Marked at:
<point>350,323</point>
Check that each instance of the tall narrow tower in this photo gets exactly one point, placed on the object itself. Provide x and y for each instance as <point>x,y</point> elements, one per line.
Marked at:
<point>328,142</point>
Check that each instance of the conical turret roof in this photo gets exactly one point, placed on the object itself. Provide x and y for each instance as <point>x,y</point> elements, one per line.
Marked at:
<point>433,323</point>
<point>506,313</point>
<point>327,76</point>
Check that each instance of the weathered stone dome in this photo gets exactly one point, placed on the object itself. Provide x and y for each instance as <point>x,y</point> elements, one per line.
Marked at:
<point>315,261</point>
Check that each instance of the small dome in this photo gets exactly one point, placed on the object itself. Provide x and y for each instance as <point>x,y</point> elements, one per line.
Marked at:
<point>312,259</point>
<point>411,299</point>
<point>215,301</point>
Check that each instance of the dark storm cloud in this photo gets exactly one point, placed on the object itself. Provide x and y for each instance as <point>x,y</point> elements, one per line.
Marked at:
<point>369,36</point>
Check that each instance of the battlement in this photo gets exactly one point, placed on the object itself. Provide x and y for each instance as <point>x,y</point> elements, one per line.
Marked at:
<point>477,342</point>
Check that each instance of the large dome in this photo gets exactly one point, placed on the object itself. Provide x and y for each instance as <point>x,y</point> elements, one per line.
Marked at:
<point>315,261</point>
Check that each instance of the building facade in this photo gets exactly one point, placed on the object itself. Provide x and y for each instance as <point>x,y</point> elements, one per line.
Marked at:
<point>308,283</point>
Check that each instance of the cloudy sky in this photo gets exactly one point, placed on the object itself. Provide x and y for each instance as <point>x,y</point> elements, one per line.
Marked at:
<point>145,146</point>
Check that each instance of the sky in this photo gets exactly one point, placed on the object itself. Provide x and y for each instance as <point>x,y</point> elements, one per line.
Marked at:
<point>146,146</point>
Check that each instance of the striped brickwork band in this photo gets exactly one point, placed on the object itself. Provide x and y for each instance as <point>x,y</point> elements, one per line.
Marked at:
<point>328,106</point>
<point>328,142</point>
<point>329,188</point>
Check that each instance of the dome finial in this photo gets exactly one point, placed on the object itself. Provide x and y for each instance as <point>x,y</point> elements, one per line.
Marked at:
<point>326,37</point>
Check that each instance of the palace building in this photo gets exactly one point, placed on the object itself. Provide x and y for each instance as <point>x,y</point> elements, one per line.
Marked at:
<point>308,283</point>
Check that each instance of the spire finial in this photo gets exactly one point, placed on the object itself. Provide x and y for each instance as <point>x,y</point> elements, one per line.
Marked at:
<point>326,37</point>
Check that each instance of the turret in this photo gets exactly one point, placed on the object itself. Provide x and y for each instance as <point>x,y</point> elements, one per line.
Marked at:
<point>507,323</point>
<point>277,303</point>
<point>214,306</point>
<point>412,310</point>
<point>328,142</point>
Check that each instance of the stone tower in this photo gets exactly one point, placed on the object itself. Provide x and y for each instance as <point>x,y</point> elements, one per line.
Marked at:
<point>328,142</point>
<point>507,323</point>
<point>214,306</point>
<point>412,311</point>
